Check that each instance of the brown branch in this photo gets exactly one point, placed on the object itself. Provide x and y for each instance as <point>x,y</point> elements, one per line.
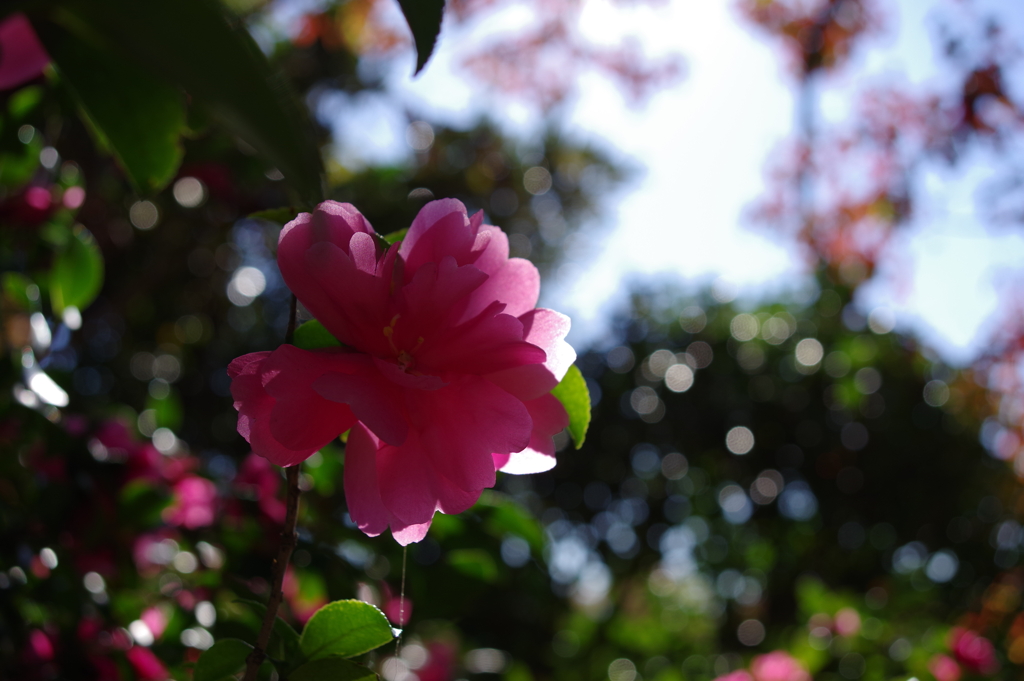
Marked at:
<point>284,553</point>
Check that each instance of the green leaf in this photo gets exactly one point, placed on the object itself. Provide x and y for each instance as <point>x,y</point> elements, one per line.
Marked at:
<point>424,19</point>
<point>142,503</point>
<point>395,237</point>
<point>77,274</point>
<point>284,640</point>
<point>333,668</point>
<point>278,215</point>
<point>312,335</point>
<point>474,563</point>
<point>572,392</point>
<point>24,101</point>
<point>509,517</point>
<point>344,629</point>
<point>17,288</point>
<point>167,410</point>
<point>194,45</point>
<point>139,116</point>
<point>222,660</point>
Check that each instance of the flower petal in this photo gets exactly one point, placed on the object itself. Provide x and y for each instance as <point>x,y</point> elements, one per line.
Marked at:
<point>516,284</point>
<point>300,418</point>
<point>405,483</point>
<point>547,330</point>
<point>491,249</point>
<point>327,259</point>
<point>362,489</point>
<point>408,534</point>
<point>462,424</point>
<point>256,405</point>
<point>549,419</point>
<point>376,402</point>
<point>441,229</point>
<point>488,343</point>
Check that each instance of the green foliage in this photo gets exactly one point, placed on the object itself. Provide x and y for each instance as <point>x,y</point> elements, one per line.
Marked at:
<point>284,640</point>
<point>312,335</point>
<point>219,64</point>
<point>509,517</point>
<point>222,660</point>
<point>344,629</point>
<point>278,215</point>
<point>395,237</point>
<point>137,115</point>
<point>16,288</point>
<point>475,563</point>
<point>333,668</point>
<point>424,19</point>
<point>572,392</point>
<point>77,274</point>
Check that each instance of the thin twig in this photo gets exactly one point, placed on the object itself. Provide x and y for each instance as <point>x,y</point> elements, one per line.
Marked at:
<point>284,553</point>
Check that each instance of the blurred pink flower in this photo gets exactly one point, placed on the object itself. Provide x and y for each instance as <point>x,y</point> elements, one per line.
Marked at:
<point>192,504</point>
<point>156,620</point>
<point>304,595</point>
<point>944,668</point>
<point>258,479</point>
<point>40,645</point>
<point>975,652</point>
<point>778,665</point>
<point>738,675</point>
<point>446,372</point>
<point>442,658</point>
<point>22,56</point>
<point>147,666</point>
<point>397,609</point>
<point>847,622</point>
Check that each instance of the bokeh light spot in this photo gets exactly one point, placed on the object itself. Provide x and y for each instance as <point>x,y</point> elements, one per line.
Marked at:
<point>739,440</point>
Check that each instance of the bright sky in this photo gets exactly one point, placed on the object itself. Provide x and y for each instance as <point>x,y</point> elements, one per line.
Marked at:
<point>704,145</point>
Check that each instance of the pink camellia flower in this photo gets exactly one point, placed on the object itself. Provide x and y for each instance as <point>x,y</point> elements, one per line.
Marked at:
<point>146,664</point>
<point>847,622</point>
<point>445,373</point>
<point>738,675</point>
<point>975,652</point>
<point>22,56</point>
<point>193,503</point>
<point>778,665</point>
<point>944,668</point>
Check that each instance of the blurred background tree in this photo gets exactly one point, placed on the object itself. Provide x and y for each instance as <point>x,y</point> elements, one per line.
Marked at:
<point>793,476</point>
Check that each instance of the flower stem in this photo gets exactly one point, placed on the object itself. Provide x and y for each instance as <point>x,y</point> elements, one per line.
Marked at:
<point>284,553</point>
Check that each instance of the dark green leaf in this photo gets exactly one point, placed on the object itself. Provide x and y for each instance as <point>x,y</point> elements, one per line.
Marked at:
<point>507,516</point>
<point>312,335</point>
<point>572,392</point>
<point>222,660</point>
<point>424,18</point>
<point>167,410</point>
<point>24,101</point>
<point>474,563</point>
<point>193,44</point>
<point>332,668</point>
<point>395,237</point>
<point>77,274</point>
<point>139,116</point>
<point>278,215</point>
<point>344,629</point>
<point>284,641</point>
<point>143,503</point>
<point>16,289</point>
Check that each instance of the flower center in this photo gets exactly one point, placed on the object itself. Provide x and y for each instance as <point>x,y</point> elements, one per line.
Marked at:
<point>405,358</point>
